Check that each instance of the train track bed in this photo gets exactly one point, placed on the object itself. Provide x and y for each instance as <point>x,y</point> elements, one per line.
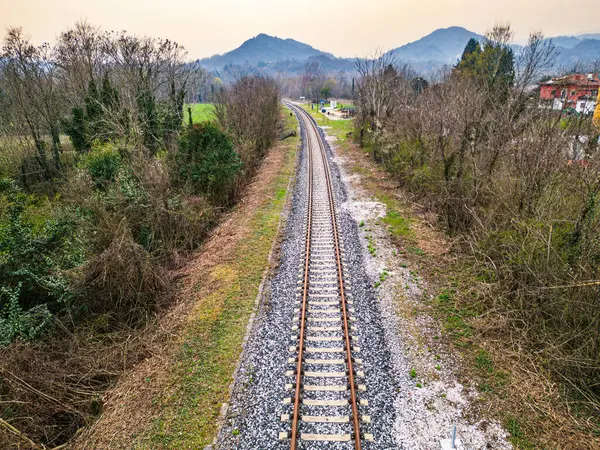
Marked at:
<point>261,409</point>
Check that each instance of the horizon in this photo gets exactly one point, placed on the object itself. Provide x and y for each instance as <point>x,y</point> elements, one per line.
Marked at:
<point>516,41</point>
<point>214,28</point>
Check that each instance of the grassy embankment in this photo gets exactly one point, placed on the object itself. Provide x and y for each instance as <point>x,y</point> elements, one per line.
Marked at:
<point>211,344</point>
<point>512,388</point>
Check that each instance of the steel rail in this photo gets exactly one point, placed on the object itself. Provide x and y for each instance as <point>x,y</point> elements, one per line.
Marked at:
<point>297,399</point>
<point>348,344</point>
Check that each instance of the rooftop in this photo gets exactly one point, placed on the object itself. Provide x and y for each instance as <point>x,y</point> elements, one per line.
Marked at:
<point>579,79</point>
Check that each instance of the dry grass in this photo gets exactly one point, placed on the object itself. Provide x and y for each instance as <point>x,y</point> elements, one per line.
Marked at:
<point>124,280</point>
<point>56,386</point>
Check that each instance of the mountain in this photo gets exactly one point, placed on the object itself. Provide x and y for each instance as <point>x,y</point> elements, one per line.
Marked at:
<point>264,50</point>
<point>565,41</point>
<point>586,51</point>
<point>444,45</point>
<point>272,55</point>
<point>589,36</point>
<point>573,51</point>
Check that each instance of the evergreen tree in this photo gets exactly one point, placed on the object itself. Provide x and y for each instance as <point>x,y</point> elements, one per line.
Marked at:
<point>390,72</point>
<point>492,66</point>
<point>497,69</point>
<point>419,84</point>
<point>76,129</point>
<point>471,48</point>
<point>470,57</point>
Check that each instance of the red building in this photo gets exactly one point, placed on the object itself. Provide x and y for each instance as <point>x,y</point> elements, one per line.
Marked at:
<point>577,91</point>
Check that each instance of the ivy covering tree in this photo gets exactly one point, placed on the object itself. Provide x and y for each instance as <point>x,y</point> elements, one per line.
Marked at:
<point>100,121</point>
<point>207,162</point>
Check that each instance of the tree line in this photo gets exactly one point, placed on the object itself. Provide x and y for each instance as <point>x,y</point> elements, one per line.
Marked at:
<point>516,185</point>
<point>316,83</point>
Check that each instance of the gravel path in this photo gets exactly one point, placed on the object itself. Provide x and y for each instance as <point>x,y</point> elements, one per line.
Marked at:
<point>252,418</point>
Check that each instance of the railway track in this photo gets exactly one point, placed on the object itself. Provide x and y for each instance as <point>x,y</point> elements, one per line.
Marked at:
<point>325,376</point>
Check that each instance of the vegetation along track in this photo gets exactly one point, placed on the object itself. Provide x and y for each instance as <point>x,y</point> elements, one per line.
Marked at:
<point>325,376</point>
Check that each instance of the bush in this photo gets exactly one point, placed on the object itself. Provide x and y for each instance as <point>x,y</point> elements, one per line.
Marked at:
<point>123,282</point>
<point>103,164</point>
<point>162,218</point>
<point>16,323</point>
<point>206,162</point>
<point>39,244</point>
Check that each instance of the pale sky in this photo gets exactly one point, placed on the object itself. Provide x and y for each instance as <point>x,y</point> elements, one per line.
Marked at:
<point>342,27</point>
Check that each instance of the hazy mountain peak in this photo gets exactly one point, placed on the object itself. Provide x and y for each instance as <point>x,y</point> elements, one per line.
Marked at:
<point>272,54</point>
<point>263,49</point>
<point>444,45</point>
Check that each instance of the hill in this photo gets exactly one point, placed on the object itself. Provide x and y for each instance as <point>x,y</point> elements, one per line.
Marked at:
<point>270,54</point>
<point>444,45</point>
<point>264,51</point>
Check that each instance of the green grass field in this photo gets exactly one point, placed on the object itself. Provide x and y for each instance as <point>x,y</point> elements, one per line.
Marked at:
<point>201,112</point>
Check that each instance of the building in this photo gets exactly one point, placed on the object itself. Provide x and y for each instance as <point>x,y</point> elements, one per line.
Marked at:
<point>576,91</point>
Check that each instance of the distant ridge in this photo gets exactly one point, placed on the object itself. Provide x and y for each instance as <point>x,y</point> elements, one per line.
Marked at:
<point>444,46</point>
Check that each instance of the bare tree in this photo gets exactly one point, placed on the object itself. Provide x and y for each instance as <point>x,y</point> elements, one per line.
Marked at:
<point>313,79</point>
<point>250,110</point>
<point>536,59</point>
<point>30,82</point>
<point>80,54</point>
<point>381,88</point>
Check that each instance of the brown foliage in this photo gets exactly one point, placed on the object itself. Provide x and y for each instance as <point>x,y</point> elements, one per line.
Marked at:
<point>250,110</point>
<point>50,389</point>
<point>123,280</point>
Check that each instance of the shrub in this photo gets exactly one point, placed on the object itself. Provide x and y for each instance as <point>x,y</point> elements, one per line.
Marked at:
<point>16,323</point>
<point>206,162</point>
<point>159,216</point>
<point>102,163</point>
<point>39,244</point>
<point>124,281</point>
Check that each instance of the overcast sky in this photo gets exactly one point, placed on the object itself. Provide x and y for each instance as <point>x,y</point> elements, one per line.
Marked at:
<point>342,27</point>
